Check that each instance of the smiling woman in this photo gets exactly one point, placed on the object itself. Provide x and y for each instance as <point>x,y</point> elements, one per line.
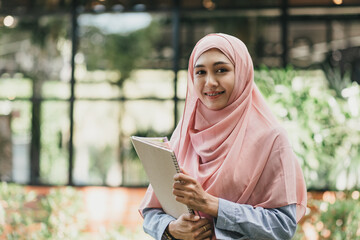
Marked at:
<point>238,169</point>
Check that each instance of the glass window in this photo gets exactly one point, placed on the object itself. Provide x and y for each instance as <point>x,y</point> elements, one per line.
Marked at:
<point>143,118</point>
<point>96,142</point>
<point>308,43</point>
<point>124,75</point>
<point>21,136</point>
<point>56,90</point>
<point>182,84</point>
<point>54,142</point>
<point>150,83</point>
<point>35,67</point>
<point>15,87</point>
<point>118,62</point>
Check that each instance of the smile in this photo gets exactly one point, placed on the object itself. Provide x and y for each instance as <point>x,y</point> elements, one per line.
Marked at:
<point>212,94</point>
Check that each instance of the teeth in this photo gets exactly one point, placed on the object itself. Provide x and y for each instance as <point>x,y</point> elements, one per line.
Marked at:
<point>214,94</point>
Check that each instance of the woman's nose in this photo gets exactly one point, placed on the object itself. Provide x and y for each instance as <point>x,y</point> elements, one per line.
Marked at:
<point>211,81</point>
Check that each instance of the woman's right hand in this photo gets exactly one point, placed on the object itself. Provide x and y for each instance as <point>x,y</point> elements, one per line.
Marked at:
<point>191,227</point>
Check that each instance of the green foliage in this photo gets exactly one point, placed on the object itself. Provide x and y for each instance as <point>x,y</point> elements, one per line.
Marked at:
<point>337,81</point>
<point>13,222</point>
<point>98,169</point>
<point>342,219</point>
<point>63,217</point>
<point>336,216</point>
<point>26,215</point>
<point>45,28</point>
<point>122,52</point>
<point>322,126</point>
<point>58,215</point>
<point>54,155</point>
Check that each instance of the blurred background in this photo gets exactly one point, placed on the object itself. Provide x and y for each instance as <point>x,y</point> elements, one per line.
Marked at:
<point>79,77</point>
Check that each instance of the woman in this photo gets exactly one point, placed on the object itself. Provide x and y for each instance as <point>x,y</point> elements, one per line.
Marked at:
<point>239,171</point>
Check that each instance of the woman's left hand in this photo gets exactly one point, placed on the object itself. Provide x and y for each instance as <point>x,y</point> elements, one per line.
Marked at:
<point>188,191</point>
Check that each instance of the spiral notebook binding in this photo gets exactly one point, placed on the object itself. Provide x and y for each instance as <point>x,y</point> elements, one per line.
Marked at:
<point>176,164</point>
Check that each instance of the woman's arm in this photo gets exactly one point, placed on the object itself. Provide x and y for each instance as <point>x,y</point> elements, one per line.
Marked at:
<point>187,226</point>
<point>236,220</point>
<point>155,222</point>
<point>241,221</point>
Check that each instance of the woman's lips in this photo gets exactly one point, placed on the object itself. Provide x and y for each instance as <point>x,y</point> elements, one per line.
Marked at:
<point>214,94</point>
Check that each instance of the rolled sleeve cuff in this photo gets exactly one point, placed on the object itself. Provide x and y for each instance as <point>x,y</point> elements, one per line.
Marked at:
<point>224,223</point>
<point>165,221</point>
<point>226,216</point>
<point>155,222</point>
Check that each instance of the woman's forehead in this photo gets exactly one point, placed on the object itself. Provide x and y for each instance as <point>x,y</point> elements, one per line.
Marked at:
<point>213,54</point>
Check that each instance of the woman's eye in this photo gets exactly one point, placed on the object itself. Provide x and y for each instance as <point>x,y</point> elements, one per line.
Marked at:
<point>200,72</point>
<point>221,70</point>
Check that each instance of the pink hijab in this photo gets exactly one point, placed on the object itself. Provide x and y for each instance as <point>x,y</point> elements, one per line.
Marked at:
<point>239,153</point>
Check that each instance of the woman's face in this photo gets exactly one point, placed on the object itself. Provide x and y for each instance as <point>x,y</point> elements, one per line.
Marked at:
<point>214,79</point>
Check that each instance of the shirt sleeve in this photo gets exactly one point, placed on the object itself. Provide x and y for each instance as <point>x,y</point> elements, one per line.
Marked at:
<point>241,221</point>
<point>155,222</point>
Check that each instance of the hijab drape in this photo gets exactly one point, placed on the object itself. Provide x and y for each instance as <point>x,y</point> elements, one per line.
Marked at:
<point>239,153</point>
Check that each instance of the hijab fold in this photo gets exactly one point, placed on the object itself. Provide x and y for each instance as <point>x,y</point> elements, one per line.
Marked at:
<point>239,153</point>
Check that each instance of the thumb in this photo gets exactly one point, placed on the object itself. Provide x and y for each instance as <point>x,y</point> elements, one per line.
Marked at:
<point>191,217</point>
<point>182,170</point>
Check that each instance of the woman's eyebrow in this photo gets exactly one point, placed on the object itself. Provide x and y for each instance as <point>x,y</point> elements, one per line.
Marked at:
<point>199,65</point>
<point>215,64</point>
<point>220,62</point>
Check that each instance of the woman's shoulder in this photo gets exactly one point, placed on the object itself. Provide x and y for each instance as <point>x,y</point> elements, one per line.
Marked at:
<point>280,137</point>
<point>275,134</point>
<point>277,131</point>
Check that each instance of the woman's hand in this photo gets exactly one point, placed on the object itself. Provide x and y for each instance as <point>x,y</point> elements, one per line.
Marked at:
<point>188,191</point>
<point>191,227</point>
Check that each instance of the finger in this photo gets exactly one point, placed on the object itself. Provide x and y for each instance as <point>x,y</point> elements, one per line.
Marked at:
<point>204,222</point>
<point>179,193</point>
<point>181,200</point>
<point>184,178</point>
<point>204,232</point>
<point>179,186</point>
<point>182,170</point>
<point>186,188</point>
<point>186,198</point>
<point>205,237</point>
<point>190,217</point>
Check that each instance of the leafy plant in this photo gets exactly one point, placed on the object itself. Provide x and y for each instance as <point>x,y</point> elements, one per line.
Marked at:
<point>322,126</point>
<point>342,219</point>
<point>335,216</point>
<point>120,52</point>
<point>57,215</point>
<point>336,79</point>
<point>15,217</point>
<point>63,215</point>
<point>26,215</point>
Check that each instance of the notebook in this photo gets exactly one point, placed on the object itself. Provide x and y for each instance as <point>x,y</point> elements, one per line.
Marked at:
<point>160,165</point>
